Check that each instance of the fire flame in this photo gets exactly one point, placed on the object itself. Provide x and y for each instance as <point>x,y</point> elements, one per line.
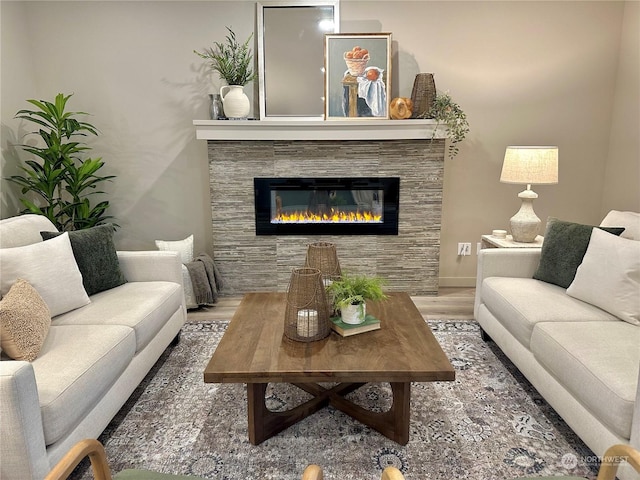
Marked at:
<point>335,216</point>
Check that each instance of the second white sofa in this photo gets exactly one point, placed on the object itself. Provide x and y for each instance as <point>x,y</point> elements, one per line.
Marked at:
<point>584,360</point>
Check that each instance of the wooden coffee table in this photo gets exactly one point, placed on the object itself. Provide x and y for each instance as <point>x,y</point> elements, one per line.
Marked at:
<point>255,351</point>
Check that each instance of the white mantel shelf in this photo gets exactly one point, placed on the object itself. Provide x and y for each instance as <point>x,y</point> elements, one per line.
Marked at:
<point>317,130</point>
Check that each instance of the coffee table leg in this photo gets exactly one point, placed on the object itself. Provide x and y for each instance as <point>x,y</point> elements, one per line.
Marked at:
<point>394,423</point>
<point>256,412</point>
<point>264,424</point>
<point>401,411</point>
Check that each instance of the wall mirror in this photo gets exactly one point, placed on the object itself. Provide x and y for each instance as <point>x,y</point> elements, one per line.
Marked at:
<point>291,57</point>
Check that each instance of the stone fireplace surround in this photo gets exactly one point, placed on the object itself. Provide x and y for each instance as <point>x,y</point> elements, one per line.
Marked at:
<point>239,151</point>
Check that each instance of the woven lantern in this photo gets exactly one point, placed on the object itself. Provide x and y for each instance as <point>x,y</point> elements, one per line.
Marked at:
<point>323,256</point>
<point>306,316</point>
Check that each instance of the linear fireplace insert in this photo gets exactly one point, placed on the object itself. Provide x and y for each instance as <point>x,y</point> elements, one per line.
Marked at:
<point>327,206</point>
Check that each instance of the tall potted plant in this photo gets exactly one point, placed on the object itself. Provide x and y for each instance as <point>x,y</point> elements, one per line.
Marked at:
<point>351,292</point>
<point>233,62</point>
<point>62,182</point>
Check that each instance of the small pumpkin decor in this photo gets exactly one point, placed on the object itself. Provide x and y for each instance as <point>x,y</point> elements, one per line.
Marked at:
<point>350,294</point>
<point>401,108</point>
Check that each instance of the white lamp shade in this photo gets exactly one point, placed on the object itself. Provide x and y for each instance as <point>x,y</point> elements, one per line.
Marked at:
<point>530,165</point>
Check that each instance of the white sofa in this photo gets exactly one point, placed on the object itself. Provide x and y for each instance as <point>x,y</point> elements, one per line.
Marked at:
<point>93,357</point>
<point>583,360</point>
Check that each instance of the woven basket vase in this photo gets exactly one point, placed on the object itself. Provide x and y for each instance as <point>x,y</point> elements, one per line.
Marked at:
<point>423,95</point>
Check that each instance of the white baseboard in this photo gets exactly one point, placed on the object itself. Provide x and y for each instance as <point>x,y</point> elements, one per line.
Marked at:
<point>457,281</point>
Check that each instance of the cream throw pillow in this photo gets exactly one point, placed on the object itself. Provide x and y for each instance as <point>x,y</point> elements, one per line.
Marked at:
<point>24,322</point>
<point>50,268</point>
<point>183,247</point>
<point>609,276</point>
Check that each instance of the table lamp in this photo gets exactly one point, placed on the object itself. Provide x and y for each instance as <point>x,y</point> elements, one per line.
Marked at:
<point>528,165</point>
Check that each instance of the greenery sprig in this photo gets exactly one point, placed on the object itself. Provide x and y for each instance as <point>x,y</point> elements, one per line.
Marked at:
<point>232,60</point>
<point>62,180</point>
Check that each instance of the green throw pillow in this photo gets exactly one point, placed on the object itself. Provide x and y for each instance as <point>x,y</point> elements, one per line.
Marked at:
<point>564,246</point>
<point>95,254</point>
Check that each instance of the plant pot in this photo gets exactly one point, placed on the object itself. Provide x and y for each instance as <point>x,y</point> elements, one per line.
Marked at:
<point>235,103</point>
<point>354,314</point>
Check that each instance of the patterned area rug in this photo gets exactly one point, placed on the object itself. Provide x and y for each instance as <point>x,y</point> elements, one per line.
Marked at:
<point>488,424</point>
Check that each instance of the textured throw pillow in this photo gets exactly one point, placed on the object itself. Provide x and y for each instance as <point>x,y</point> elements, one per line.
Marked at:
<point>95,253</point>
<point>609,276</point>
<point>24,322</point>
<point>52,270</point>
<point>183,247</point>
<point>565,243</point>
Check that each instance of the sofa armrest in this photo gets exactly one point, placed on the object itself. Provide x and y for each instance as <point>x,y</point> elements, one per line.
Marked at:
<point>22,448</point>
<point>152,265</point>
<point>635,420</point>
<point>504,262</point>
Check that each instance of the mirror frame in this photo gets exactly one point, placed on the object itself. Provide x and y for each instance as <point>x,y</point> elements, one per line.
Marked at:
<point>262,54</point>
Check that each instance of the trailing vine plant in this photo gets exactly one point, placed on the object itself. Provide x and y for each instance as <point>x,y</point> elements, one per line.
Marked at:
<point>62,182</point>
<point>447,112</point>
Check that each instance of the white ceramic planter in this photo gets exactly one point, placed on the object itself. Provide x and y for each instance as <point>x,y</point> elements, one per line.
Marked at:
<point>352,314</point>
<point>234,101</point>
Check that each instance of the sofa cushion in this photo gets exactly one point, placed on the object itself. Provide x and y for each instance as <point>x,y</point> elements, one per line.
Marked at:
<point>143,306</point>
<point>76,366</point>
<point>520,303</point>
<point>95,254</point>
<point>52,270</point>
<point>597,362</point>
<point>609,276</point>
<point>565,244</point>
<point>24,322</point>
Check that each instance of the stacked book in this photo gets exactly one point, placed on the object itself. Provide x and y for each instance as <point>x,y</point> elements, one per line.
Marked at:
<point>347,329</point>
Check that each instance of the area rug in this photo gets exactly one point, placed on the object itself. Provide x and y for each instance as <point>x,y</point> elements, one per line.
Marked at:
<point>488,424</point>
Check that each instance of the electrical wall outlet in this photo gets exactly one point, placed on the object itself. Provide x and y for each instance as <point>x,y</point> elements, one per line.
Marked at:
<point>464,249</point>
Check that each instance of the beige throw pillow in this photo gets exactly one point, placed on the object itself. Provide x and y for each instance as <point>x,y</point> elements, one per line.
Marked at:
<point>52,270</point>
<point>609,276</point>
<point>24,322</point>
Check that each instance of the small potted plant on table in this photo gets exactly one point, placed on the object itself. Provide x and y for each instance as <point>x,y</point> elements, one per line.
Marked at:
<point>350,294</point>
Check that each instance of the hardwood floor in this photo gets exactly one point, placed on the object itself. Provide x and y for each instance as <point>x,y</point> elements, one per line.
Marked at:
<point>450,303</point>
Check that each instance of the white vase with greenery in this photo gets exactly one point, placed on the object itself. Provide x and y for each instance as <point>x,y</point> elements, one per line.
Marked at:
<point>233,62</point>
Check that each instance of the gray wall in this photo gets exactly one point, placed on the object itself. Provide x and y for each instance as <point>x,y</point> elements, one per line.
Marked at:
<point>561,73</point>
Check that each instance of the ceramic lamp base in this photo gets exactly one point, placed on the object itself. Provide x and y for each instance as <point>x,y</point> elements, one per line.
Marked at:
<point>525,224</point>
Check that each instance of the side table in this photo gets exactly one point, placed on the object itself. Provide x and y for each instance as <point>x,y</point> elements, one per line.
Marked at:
<point>489,241</point>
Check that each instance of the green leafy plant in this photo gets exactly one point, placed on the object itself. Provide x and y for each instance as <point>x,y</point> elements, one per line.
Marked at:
<point>356,290</point>
<point>447,112</point>
<point>62,182</point>
<point>232,60</point>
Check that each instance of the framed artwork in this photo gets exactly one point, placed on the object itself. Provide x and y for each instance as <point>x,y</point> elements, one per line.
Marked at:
<point>357,76</point>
